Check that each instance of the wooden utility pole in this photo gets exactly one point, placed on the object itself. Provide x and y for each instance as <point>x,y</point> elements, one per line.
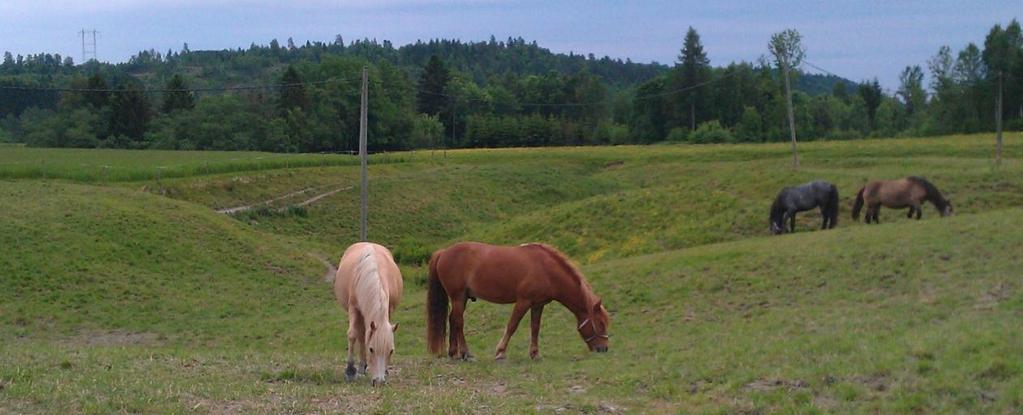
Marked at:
<point>792,118</point>
<point>363,194</point>
<point>998,123</point>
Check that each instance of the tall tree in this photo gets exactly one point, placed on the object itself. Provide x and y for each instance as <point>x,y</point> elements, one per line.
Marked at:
<point>788,51</point>
<point>911,89</point>
<point>129,112</point>
<point>292,92</point>
<point>692,70</point>
<point>970,73</point>
<point>96,94</point>
<point>433,83</point>
<point>998,56</point>
<point>871,93</point>
<point>177,97</point>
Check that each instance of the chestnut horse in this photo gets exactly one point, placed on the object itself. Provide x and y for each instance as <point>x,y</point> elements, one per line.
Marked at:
<point>908,192</point>
<point>528,275</point>
<point>368,285</point>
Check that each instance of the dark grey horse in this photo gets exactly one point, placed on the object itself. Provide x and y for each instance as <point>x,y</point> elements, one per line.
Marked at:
<point>801,198</point>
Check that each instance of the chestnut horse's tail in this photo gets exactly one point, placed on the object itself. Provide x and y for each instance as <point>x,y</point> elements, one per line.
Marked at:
<point>858,204</point>
<point>436,309</point>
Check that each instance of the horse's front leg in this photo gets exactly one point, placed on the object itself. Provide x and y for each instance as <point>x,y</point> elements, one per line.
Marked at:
<point>520,310</point>
<point>910,214</point>
<point>919,211</point>
<point>353,338</point>
<point>534,330</point>
<point>792,222</point>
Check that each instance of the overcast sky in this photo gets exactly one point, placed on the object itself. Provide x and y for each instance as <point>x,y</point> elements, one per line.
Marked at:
<point>855,39</point>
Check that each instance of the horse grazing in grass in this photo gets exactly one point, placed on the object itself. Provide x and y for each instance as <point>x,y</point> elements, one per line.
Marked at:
<point>908,192</point>
<point>802,198</point>
<point>368,285</point>
<point>528,275</point>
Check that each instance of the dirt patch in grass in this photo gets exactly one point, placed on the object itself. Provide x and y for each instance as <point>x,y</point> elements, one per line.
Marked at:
<point>878,383</point>
<point>763,385</point>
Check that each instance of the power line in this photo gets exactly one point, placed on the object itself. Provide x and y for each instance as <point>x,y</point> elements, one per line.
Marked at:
<point>810,64</point>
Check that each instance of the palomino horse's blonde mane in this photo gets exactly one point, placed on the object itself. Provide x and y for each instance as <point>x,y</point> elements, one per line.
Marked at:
<point>368,288</point>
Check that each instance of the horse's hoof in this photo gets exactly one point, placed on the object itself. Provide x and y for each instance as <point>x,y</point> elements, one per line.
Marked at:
<point>468,357</point>
<point>534,355</point>
<point>500,357</point>
<point>350,373</point>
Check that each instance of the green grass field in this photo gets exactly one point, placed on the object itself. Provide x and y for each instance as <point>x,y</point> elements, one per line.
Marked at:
<point>130,295</point>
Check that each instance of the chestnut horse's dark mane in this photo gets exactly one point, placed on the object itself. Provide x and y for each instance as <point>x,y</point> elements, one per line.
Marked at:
<point>563,261</point>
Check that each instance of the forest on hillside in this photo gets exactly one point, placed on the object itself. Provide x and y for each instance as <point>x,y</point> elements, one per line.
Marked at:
<point>448,93</point>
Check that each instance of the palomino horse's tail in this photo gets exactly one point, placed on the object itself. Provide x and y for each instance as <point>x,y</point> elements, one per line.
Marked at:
<point>858,204</point>
<point>436,309</point>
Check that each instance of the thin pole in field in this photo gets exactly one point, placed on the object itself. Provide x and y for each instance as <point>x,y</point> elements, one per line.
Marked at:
<point>363,195</point>
<point>998,123</point>
<point>792,119</point>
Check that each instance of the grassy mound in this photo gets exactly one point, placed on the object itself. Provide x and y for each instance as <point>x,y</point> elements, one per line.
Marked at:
<point>83,258</point>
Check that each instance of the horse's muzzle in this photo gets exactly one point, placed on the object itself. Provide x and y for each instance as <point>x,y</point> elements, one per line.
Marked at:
<point>600,349</point>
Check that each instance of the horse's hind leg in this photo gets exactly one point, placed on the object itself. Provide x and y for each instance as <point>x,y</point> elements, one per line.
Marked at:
<point>910,213</point>
<point>520,310</point>
<point>457,347</point>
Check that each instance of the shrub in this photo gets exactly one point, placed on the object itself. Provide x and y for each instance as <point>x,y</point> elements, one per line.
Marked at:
<point>411,252</point>
<point>678,135</point>
<point>711,132</point>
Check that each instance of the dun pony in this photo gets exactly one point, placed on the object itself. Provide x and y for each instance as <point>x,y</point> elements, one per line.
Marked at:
<point>901,193</point>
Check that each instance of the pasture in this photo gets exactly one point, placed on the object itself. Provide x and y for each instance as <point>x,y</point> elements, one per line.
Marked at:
<point>123,294</point>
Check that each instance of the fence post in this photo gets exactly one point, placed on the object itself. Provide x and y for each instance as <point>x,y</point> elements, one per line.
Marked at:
<point>363,194</point>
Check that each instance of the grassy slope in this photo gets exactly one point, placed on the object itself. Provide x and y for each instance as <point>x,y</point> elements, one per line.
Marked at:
<point>118,300</point>
<point>609,202</point>
<point>111,165</point>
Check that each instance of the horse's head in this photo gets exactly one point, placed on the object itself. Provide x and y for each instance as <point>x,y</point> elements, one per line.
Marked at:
<point>594,327</point>
<point>380,345</point>
<point>948,210</point>
<point>778,224</point>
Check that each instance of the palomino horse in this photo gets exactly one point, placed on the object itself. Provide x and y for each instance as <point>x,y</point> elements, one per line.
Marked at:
<point>368,286</point>
<point>801,198</point>
<point>908,192</point>
<point>529,275</point>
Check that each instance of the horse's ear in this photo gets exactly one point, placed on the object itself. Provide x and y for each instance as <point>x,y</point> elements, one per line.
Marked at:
<point>394,327</point>
<point>597,306</point>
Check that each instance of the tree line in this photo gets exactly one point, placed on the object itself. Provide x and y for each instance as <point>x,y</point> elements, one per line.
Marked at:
<point>485,94</point>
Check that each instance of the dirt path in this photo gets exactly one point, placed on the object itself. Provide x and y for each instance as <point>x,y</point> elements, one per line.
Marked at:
<point>314,199</point>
